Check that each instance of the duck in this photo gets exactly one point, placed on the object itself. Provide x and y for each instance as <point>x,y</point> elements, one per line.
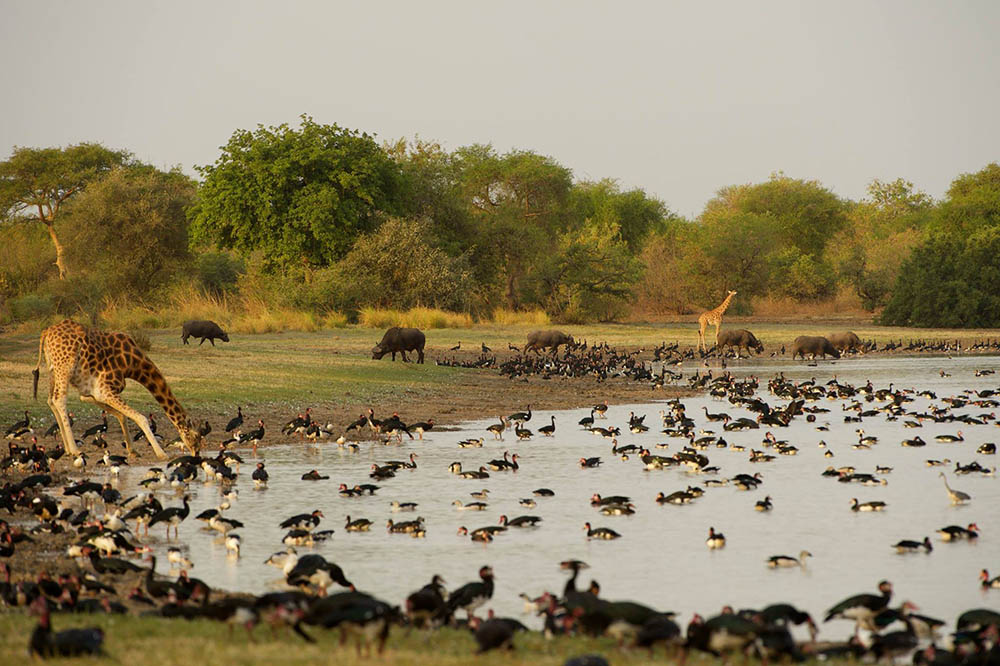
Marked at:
<point>471,506</point>
<point>260,477</point>
<point>359,525</point>
<point>587,421</point>
<point>600,532</point>
<point>913,442</point>
<point>715,539</point>
<point>411,463</point>
<point>505,465</point>
<point>527,503</point>
<point>548,430</point>
<point>987,582</point>
<point>590,462</point>
<point>224,525</point>
<point>520,417</point>
<point>177,559</point>
<point>678,497</point>
<point>471,443</point>
<point>543,492</point>
<point>764,504</point>
<point>787,561</point>
<point>233,542</point>
<point>316,570</point>
<point>313,475</point>
<point>303,521</point>
<point>522,433</point>
<point>957,532</point>
<point>498,428</point>
<point>866,506</point>
<point>480,474</point>
<point>950,438</point>
<point>480,494</point>
<point>520,521</point>
<point>618,509</point>
<point>344,491</point>
<point>908,546</point>
<point>396,506</point>
<point>601,409</point>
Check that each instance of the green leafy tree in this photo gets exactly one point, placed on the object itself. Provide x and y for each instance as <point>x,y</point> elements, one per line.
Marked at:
<point>667,286</point>
<point>299,197</point>
<point>36,182</point>
<point>518,203</point>
<point>972,201</point>
<point>129,229</point>
<point>734,250</point>
<point>635,213</point>
<point>398,266</point>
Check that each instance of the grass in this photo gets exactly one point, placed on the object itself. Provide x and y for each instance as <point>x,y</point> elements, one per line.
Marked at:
<point>131,640</point>
<point>335,367</point>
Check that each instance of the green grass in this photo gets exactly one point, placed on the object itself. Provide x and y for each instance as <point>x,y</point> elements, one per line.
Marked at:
<point>334,366</point>
<point>133,640</point>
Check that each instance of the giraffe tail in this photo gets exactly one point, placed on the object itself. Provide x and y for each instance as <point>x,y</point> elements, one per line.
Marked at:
<point>38,365</point>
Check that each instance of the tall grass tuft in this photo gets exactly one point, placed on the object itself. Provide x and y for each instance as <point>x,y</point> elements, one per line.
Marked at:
<point>427,318</point>
<point>505,317</point>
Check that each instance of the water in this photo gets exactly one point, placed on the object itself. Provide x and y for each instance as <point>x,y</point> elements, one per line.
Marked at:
<point>661,560</point>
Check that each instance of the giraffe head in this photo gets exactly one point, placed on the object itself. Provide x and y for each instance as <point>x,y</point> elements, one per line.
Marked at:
<point>732,292</point>
<point>191,437</point>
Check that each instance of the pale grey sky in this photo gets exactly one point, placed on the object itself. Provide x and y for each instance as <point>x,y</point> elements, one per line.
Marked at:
<point>677,98</point>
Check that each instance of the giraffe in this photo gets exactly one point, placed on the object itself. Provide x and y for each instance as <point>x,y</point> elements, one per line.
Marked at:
<point>97,363</point>
<point>714,318</point>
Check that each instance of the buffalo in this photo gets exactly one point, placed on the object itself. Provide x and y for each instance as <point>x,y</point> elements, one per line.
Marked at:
<point>547,339</point>
<point>741,339</point>
<point>400,340</point>
<point>813,345</point>
<point>206,330</point>
<point>846,341</point>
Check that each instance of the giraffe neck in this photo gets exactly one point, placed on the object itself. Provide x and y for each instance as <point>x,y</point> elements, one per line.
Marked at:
<point>146,373</point>
<point>725,304</point>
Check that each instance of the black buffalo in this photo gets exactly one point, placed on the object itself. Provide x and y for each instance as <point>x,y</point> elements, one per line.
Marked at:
<point>547,339</point>
<point>846,341</point>
<point>741,339</point>
<point>206,330</point>
<point>813,345</point>
<point>400,340</point>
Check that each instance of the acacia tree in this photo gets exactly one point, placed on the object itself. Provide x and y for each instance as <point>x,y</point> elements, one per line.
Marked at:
<point>36,182</point>
<point>297,196</point>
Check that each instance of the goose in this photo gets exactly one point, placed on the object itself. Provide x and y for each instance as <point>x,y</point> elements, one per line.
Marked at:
<point>602,409</point>
<point>260,477</point>
<point>480,494</point>
<point>590,462</point>
<point>957,532</point>
<point>618,509</point>
<point>522,433</point>
<point>471,506</point>
<point>715,539</point>
<point>498,428</point>
<point>764,504</point>
<point>914,442</point>
<point>548,430</point>
<point>236,421</point>
<point>520,417</point>
<point>504,465</point>
<point>396,506</point>
<point>471,443</point>
<point>988,582</point>
<point>359,525</point>
<point>172,516</point>
<point>471,596</point>
<point>303,521</point>
<point>316,570</point>
<point>483,534</point>
<point>957,496</point>
<point>543,492</point>
<point>233,542</point>
<point>600,532</point>
<point>587,421</point>
<point>678,497</point>
<point>224,525</point>
<point>868,440</point>
<point>313,475</point>
<point>862,608</point>
<point>908,546</point>
<point>527,503</point>
<point>950,438</point>
<point>480,474</point>
<point>403,464</point>
<point>866,506</point>
<point>422,426</point>
<point>786,561</point>
<point>520,521</point>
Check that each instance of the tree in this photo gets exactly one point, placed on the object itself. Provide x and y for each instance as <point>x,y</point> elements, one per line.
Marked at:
<point>300,197</point>
<point>972,201</point>
<point>734,251</point>
<point>397,266</point>
<point>518,202</point>
<point>36,182</point>
<point>634,212</point>
<point>129,229</point>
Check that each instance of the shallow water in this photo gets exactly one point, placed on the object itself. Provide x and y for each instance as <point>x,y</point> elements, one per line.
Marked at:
<point>661,560</point>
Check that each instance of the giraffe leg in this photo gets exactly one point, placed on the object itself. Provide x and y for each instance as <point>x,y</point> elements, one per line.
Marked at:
<point>121,421</point>
<point>116,404</point>
<point>717,325</point>
<point>701,334</point>
<point>58,385</point>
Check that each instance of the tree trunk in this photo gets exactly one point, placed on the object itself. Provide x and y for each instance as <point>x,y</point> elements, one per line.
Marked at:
<point>60,262</point>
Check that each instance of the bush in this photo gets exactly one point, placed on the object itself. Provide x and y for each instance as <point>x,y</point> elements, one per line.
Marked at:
<point>218,272</point>
<point>31,306</point>
<point>424,318</point>
<point>140,338</point>
<point>505,317</point>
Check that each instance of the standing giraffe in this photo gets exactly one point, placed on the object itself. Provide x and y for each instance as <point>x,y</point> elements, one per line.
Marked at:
<point>97,363</point>
<point>713,317</point>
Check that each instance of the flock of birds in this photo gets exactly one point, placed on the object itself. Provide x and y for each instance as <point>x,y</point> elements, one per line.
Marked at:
<point>103,547</point>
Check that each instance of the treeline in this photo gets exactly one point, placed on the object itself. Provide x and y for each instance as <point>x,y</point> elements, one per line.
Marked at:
<point>324,220</point>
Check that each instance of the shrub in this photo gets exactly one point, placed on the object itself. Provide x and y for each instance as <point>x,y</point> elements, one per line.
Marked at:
<point>218,272</point>
<point>505,317</point>
<point>31,306</point>
<point>424,318</point>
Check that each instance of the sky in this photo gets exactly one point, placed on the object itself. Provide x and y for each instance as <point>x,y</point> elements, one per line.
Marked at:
<point>679,99</point>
